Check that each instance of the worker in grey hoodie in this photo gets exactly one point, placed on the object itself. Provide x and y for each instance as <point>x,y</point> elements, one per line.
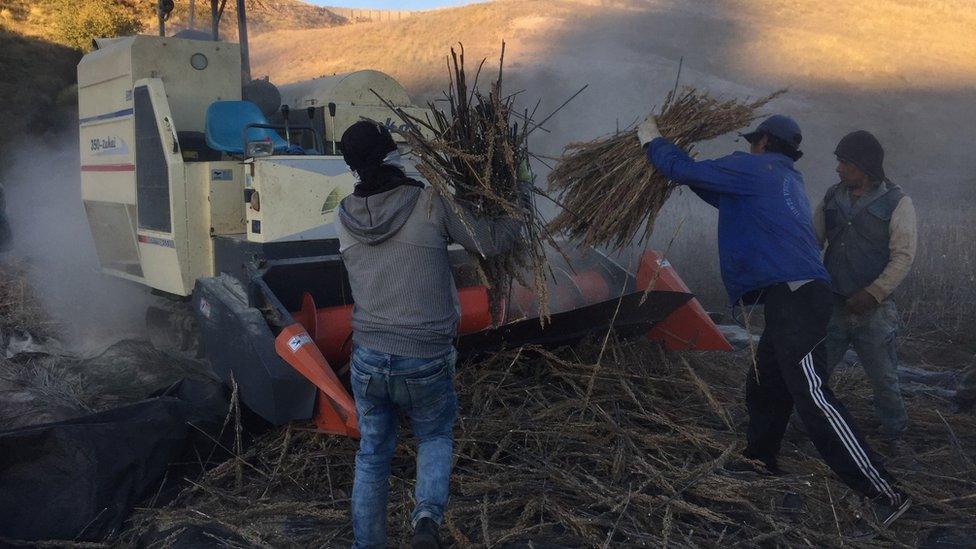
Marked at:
<point>393,234</point>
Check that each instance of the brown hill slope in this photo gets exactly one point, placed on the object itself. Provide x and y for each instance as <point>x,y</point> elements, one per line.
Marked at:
<point>895,43</point>
<point>902,68</point>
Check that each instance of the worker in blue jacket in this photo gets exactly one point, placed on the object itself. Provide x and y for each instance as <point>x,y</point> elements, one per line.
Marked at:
<point>769,254</point>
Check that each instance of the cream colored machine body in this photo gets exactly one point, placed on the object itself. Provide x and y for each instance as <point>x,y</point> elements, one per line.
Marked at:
<point>160,201</point>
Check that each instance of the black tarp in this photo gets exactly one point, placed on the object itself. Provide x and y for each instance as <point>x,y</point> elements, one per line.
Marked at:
<point>79,479</point>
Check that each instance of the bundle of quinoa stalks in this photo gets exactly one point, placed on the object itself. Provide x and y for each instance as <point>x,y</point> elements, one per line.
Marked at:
<point>471,152</point>
<point>608,190</point>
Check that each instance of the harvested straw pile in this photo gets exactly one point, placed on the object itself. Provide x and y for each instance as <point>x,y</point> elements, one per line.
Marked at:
<point>558,450</point>
<point>472,154</point>
<point>607,188</point>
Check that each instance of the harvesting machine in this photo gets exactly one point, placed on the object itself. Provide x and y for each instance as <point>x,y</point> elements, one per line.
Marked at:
<point>218,193</point>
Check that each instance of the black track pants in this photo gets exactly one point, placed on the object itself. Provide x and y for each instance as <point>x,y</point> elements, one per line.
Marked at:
<point>791,371</point>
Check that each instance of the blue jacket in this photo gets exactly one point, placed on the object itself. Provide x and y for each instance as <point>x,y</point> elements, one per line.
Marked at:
<point>765,229</point>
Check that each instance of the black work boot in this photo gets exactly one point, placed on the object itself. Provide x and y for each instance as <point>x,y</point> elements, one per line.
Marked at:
<point>425,535</point>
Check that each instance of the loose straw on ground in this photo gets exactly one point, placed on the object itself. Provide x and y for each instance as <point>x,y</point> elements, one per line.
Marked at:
<point>638,463</point>
<point>608,190</point>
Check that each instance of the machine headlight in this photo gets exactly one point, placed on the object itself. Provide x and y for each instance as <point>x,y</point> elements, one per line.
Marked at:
<point>259,148</point>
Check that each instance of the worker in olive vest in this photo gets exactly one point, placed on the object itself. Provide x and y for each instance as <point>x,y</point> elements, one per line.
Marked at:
<point>868,224</point>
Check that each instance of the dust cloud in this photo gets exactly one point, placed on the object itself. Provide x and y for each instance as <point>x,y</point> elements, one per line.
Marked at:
<point>50,234</point>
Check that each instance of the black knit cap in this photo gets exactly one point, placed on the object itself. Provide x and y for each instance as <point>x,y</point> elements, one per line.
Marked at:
<point>366,144</point>
<point>863,149</point>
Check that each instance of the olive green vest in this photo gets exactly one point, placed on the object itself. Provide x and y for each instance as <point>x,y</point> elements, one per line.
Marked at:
<point>858,238</point>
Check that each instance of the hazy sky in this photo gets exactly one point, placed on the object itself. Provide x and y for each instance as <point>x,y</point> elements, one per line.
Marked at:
<point>392,4</point>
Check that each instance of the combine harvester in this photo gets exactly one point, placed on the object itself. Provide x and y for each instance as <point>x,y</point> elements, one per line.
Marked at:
<point>191,191</point>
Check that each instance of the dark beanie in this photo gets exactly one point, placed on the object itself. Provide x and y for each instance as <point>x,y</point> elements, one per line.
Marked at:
<point>366,144</point>
<point>863,150</point>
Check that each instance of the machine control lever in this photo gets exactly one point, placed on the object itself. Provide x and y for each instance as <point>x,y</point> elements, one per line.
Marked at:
<point>285,110</point>
<point>332,113</point>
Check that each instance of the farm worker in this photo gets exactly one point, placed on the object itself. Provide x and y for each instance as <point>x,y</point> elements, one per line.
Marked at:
<point>768,254</point>
<point>393,235</point>
<point>868,224</point>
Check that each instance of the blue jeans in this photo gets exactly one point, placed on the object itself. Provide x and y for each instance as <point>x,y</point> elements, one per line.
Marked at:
<point>873,336</point>
<point>423,389</point>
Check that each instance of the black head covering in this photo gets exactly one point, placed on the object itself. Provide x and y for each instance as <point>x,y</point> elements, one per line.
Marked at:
<point>366,144</point>
<point>863,149</point>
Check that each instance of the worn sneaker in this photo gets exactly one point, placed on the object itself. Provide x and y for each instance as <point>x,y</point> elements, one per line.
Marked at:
<point>425,535</point>
<point>880,513</point>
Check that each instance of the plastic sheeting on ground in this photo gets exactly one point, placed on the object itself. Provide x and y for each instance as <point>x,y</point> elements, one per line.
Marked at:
<point>46,384</point>
<point>79,479</point>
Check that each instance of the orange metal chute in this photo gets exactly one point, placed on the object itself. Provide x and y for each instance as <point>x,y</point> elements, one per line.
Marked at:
<point>689,326</point>
<point>331,327</point>
<point>335,411</point>
<point>321,337</point>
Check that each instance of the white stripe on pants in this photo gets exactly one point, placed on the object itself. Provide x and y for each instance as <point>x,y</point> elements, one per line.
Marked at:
<point>843,431</point>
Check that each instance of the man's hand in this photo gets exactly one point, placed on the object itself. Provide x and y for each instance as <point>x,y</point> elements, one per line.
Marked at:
<point>648,131</point>
<point>861,302</point>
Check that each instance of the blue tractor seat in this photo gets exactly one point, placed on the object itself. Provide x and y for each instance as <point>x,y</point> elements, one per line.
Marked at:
<point>225,122</point>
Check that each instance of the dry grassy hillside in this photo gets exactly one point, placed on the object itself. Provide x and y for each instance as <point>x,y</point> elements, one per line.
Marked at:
<point>904,69</point>
<point>893,43</point>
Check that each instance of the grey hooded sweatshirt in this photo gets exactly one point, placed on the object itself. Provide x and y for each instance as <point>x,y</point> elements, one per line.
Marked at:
<point>394,246</point>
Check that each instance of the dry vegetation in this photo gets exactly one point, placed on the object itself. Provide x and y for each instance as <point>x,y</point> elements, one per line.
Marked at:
<point>861,43</point>
<point>888,43</point>
<point>38,18</point>
<point>474,152</point>
<point>412,50</point>
<point>938,299</point>
<point>572,449</point>
<point>20,308</point>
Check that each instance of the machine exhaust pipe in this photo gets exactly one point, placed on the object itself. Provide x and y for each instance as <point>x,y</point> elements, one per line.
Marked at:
<point>242,38</point>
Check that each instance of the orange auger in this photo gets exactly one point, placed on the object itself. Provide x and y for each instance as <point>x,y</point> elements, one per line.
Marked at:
<point>689,326</point>
<point>335,411</point>
<point>321,336</point>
